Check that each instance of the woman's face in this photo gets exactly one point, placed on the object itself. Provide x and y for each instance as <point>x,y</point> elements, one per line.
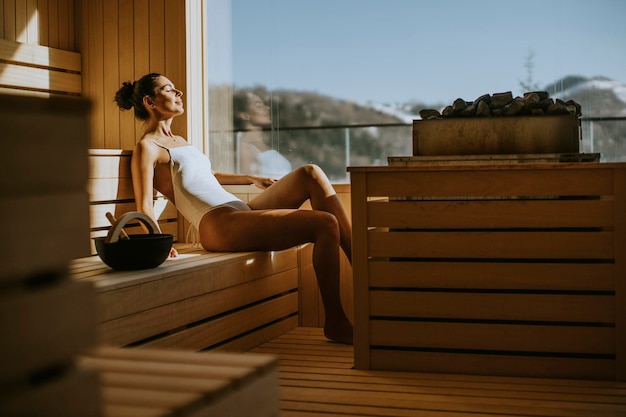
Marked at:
<point>258,113</point>
<point>167,99</point>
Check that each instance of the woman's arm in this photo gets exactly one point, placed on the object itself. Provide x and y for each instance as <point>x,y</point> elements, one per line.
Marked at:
<point>143,162</point>
<point>241,179</point>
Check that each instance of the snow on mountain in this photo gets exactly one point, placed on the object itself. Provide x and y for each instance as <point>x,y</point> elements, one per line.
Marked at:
<point>618,88</point>
<point>593,93</point>
<point>395,111</point>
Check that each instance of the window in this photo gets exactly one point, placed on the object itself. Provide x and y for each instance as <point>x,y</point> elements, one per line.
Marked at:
<point>338,82</point>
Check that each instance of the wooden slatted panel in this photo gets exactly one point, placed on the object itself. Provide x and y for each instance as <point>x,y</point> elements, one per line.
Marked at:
<point>480,181</point>
<point>486,363</point>
<point>110,189</point>
<point>71,393</point>
<point>186,278</point>
<point>491,214</point>
<point>495,337</point>
<point>19,79</point>
<point>38,70</point>
<point>493,244</point>
<point>147,382</point>
<point>489,251</point>
<point>317,378</point>
<point>211,334</point>
<point>39,56</point>
<point>205,308</point>
<point>473,305</point>
<point>203,299</point>
<point>493,275</point>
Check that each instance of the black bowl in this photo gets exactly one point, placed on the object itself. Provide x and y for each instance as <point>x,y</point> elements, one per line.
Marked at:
<point>141,251</point>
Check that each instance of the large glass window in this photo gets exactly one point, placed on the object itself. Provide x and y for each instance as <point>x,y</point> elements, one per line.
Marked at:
<point>338,82</point>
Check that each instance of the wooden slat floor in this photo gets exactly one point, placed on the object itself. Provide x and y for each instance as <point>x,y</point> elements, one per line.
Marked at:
<point>317,379</point>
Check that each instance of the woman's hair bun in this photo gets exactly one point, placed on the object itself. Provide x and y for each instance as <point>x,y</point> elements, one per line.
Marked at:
<point>124,96</point>
<point>131,95</point>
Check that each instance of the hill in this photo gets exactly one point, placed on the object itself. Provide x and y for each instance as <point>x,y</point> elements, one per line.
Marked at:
<point>302,122</point>
<point>598,96</point>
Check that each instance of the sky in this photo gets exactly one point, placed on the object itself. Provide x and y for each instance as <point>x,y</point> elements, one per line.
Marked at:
<point>429,51</point>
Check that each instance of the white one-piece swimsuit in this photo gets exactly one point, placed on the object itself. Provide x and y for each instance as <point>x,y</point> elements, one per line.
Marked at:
<point>196,190</point>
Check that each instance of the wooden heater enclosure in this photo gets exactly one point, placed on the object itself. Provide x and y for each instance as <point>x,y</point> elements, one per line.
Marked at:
<point>494,269</point>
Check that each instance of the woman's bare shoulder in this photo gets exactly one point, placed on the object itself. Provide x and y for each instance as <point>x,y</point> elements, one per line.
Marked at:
<point>148,150</point>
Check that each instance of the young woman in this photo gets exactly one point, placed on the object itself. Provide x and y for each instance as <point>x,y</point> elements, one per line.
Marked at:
<point>251,116</point>
<point>271,221</point>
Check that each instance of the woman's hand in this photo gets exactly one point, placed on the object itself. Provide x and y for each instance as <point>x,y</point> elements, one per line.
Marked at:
<point>262,182</point>
<point>173,252</point>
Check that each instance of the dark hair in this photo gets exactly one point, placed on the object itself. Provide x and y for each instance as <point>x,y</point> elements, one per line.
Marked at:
<point>131,94</point>
<point>241,103</point>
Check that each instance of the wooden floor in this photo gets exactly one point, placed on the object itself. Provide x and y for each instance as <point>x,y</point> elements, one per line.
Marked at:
<point>317,379</point>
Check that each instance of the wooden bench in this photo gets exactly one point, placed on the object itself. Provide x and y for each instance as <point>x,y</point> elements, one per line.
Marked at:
<point>150,382</point>
<point>200,300</point>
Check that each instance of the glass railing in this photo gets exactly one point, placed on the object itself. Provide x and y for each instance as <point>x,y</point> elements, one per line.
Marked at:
<point>334,148</point>
<point>606,136</point>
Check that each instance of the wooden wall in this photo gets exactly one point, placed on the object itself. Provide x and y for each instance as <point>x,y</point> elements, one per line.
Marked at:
<point>121,40</point>
<point>39,22</point>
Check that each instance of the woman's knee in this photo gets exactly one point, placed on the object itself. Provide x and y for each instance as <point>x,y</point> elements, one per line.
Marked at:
<point>309,170</point>
<point>317,177</point>
<point>327,225</point>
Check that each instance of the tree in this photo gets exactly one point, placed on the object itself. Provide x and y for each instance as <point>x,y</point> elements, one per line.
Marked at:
<point>529,84</point>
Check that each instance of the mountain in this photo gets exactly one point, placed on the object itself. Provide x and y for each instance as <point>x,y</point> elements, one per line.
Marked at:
<point>598,96</point>
<point>302,122</point>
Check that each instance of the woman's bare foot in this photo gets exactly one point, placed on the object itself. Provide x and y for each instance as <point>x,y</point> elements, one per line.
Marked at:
<point>340,332</point>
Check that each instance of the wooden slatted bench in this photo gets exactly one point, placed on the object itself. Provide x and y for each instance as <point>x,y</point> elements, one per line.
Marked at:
<point>197,301</point>
<point>151,383</point>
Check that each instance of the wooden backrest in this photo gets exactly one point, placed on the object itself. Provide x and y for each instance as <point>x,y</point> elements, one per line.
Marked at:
<point>38,70</point>
<point>111,190</point>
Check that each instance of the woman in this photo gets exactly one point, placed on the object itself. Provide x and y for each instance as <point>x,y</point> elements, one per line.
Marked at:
<point>251,116</point>
<point>271,221</point>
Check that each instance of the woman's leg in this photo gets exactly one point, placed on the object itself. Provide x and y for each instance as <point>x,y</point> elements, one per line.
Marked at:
<point>307,183</point>
<point>227,229</point>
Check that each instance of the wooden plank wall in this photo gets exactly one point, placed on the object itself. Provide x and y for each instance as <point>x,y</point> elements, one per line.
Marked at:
<point>39,22</point>
<point>120,41</point>
<point>37,48</point>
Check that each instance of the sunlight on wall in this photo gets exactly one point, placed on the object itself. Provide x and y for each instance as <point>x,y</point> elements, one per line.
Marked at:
<point>17,73</point>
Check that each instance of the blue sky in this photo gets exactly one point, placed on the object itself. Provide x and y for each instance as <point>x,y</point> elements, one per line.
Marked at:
<point>389,51</point>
